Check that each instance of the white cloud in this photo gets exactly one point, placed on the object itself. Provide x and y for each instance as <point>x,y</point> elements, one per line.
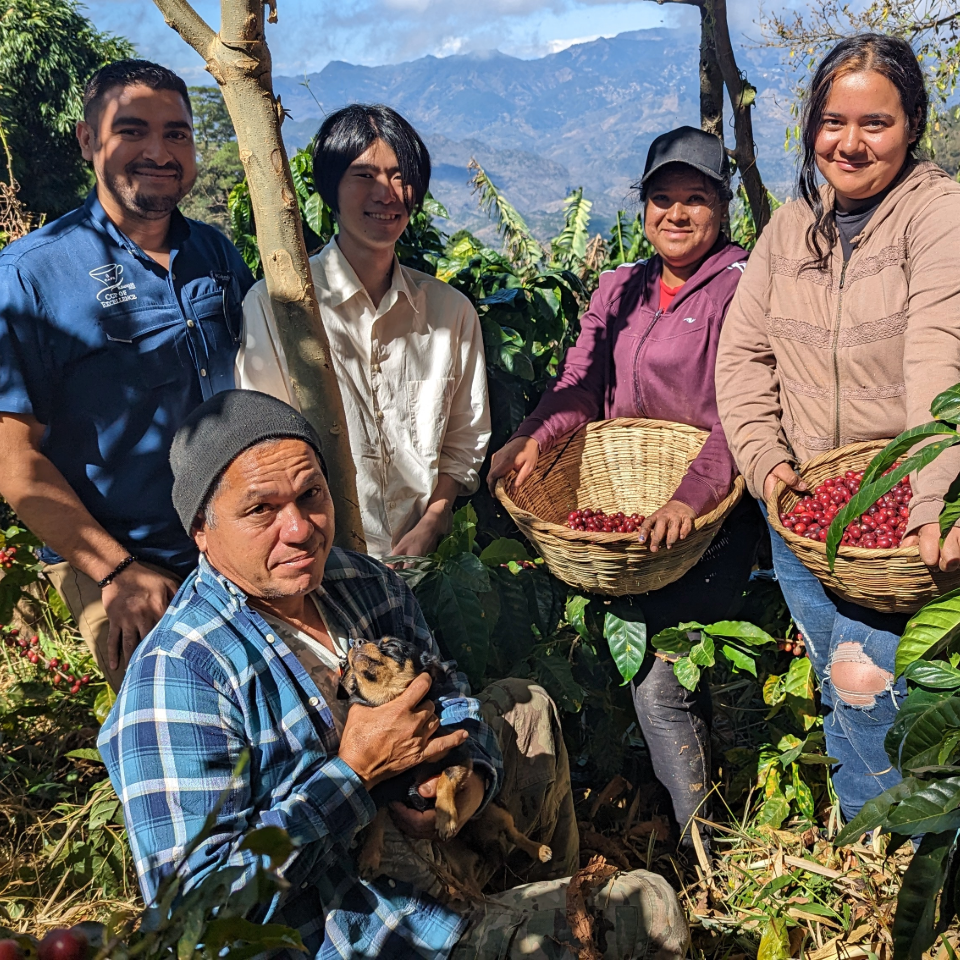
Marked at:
<point>312,32</point>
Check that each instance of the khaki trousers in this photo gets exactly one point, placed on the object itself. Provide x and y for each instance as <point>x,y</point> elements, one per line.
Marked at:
<point>641,915</point>
<point>85,603</point>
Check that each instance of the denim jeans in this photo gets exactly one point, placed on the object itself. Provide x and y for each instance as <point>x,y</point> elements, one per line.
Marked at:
<point>837,631</point>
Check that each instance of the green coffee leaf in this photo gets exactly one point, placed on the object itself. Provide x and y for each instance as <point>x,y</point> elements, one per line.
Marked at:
<point>748,633</point>
<point>739,660</point>
<point>628,644</point>
<point>503,550</point>
<point>703,654</point>
<point>913,925</point>
<point>687,672</point>
<point>929,631</point>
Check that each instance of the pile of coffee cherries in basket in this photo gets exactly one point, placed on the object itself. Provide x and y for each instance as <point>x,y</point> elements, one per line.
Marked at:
<point>882,527</point>
<point>596,521</point>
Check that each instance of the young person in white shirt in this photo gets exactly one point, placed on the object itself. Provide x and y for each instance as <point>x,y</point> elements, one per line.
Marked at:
<point>407,348</point>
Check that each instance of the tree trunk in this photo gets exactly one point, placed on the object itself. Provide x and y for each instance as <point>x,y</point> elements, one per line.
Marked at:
<point>711,80</point>
<point>717,59</point>
<point>742,97</point>
<point>239,60</point>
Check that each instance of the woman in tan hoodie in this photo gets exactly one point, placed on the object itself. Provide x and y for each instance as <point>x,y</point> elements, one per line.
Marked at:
<point>845,326</point>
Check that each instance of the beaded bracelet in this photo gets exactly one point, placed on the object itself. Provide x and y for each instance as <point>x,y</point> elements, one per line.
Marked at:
<point>120,567</point>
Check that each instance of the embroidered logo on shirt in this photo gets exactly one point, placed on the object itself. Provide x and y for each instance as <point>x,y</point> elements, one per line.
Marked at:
<point>114,289</point>
<point>689,319</point>
<point>740,265</point>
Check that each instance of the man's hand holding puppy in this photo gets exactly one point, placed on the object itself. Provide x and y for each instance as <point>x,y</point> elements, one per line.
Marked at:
<point>423,825</point>
<point>380,742</point>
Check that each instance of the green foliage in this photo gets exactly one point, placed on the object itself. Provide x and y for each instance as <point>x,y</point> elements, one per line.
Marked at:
<point>627,242</point>
<point>924,745</point>
<point>499,614</point>
<point>696,646</point>
<point>569,247</point>
<point>48,50</point>
<point>212,126</point>
<point>218,160</point>
<point>209,920</point>
<point>520,245</point>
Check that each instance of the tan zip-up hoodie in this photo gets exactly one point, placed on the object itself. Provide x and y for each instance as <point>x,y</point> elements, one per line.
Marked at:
<point>811,359</point>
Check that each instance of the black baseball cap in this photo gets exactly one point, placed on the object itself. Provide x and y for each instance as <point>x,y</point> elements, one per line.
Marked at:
<point>696,148</point>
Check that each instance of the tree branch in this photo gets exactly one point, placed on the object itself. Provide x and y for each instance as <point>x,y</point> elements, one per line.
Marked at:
<point>239,60</point>
<point>240,20</point>
<point>188,23</point>
<point>742,96</point>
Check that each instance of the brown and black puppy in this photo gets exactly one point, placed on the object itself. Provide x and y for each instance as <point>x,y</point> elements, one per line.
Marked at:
<point>375,674</point>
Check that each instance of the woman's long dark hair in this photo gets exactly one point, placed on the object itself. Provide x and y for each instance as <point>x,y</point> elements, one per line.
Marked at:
<point>892,58</point>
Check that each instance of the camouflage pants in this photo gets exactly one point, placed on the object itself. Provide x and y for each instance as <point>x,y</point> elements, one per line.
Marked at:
<point>638,914</point>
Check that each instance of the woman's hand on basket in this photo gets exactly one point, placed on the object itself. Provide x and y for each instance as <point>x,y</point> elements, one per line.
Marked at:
<point>785,472</point>
<point>672,522</point>
<point>947,557</point>
<point>519,456</point>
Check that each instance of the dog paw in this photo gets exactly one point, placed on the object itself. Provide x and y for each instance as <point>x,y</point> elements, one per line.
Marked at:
<point>446,825</point>
<point>368,867</point>
<point>545,853</point>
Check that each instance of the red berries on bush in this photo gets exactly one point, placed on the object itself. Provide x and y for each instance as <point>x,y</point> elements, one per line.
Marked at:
<point>63,944</point>
<point>882,527</point>
<point>797,647</point>
<point>7,557</point>
<point>596,521</point>
<point>29,649</point>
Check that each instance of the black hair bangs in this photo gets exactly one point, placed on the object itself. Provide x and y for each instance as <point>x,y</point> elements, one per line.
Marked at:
<point>350,132</point>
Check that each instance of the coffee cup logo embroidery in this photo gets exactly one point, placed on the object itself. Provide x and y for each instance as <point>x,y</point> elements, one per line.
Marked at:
<point>114,289</point>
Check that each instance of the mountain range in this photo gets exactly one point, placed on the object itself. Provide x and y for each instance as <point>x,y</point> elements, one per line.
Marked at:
<point>540,128</point>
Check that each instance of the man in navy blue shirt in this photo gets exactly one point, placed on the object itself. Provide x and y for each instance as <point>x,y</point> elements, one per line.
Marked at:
<point>116,321</point>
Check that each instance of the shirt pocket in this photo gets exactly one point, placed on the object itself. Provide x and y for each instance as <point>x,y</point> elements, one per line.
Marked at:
<point>149,353</point>
<point>428,408</point>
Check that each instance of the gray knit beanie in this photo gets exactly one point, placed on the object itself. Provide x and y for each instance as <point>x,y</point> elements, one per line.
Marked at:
<point>217,432</point>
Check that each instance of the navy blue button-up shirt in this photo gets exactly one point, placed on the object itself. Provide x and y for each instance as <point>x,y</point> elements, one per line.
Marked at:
<point>111,352</point>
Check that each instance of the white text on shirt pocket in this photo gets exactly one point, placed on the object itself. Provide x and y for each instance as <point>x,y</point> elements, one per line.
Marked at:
<point>428,404</point>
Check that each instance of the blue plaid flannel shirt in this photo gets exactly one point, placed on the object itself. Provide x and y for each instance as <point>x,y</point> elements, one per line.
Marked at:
<point>211,681</point>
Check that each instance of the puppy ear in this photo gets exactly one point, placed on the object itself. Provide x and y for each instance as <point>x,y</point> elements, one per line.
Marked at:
<point>432,664</point>
<point>397,650</point>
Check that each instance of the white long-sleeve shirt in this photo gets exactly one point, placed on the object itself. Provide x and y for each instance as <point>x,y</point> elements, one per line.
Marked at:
<point>412,376</point>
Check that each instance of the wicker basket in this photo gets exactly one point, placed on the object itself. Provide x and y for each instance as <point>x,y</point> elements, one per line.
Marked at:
<point>629,465</point>
<point>892,581</point>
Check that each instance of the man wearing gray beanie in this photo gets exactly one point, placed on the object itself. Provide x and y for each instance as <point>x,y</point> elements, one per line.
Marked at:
<point>247,659</point>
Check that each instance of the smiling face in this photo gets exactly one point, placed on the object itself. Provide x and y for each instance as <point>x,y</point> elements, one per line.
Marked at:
<point>142,150</point>
<point>372,213</point>
<point>682,218</point>
<point>269,526</point>
<point>864,136</point>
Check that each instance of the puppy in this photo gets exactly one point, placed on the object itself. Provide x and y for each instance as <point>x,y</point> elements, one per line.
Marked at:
<point>375,674</point>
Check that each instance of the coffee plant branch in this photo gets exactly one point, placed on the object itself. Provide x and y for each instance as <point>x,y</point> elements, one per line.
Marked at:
<point>239,60</point>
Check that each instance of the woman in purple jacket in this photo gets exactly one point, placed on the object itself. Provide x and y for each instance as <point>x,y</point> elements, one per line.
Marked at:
<point>647,348</point>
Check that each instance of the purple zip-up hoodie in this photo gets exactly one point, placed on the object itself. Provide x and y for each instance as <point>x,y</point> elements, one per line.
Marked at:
<point>632,360</point>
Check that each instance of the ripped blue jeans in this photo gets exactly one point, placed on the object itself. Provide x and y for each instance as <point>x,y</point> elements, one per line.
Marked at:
<point>852,650</point>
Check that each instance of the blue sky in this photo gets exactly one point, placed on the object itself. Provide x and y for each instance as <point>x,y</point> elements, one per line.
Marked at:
<point>313,32</point>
